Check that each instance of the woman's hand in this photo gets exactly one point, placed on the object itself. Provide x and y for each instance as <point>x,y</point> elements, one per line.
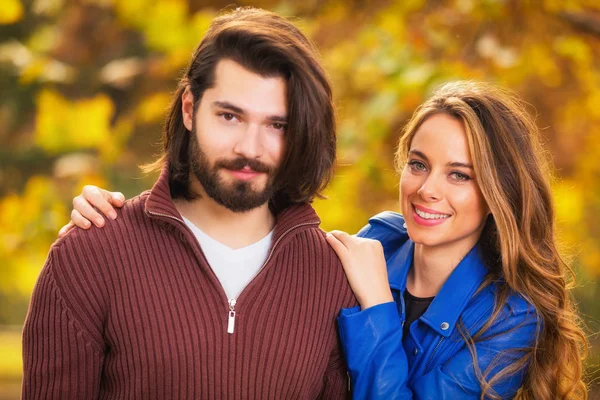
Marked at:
<point>84,212</point>
<point>365,267</point>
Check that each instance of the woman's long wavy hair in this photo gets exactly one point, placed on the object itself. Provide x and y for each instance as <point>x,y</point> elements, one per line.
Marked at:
<point>518,241</point>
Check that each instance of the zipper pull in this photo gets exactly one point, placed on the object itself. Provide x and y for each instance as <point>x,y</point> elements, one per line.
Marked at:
<point>231,319</point>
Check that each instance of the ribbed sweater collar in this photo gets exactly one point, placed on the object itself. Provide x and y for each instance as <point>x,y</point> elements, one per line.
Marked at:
<point>160,203</point>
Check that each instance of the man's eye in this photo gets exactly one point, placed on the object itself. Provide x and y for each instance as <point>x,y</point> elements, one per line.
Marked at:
<point>228,116</point>
<point>279,127</point>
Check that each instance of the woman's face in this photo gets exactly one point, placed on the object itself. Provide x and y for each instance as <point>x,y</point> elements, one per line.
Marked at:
<point>439,195</point>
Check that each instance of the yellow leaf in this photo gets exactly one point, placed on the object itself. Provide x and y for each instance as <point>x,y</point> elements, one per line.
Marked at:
<point>11,12</point>
<point>62,125</point>
<point>153,108</point>
<point>166,22</point>
<point>574,48</point>
<point>132,12</point>
<point>590,257</point>
<point>569,202</point>
<point>11,363</point>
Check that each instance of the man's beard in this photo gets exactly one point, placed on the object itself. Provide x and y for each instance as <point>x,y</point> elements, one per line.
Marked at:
<point>238,196</point>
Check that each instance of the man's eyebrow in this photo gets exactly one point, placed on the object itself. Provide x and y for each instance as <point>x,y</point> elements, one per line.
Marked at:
<point>277,118</point>
<point>228,106</point>
<point>455,164</point>
<point>238,110</point>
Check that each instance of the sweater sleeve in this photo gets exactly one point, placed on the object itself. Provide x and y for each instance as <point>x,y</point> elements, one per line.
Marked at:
<point>61,359</point>
<point>336,379</point>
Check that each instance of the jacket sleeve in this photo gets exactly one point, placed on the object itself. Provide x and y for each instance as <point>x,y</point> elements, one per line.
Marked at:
<point>61,359</point>
<point>372,342</point>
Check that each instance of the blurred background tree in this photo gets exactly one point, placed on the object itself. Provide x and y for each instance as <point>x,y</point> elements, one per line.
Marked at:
<point>85,85</point>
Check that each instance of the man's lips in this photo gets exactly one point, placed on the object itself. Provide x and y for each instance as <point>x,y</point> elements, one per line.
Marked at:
<point>244,174</point>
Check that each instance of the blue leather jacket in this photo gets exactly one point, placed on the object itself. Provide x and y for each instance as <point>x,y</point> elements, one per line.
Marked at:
<point>433,362</point>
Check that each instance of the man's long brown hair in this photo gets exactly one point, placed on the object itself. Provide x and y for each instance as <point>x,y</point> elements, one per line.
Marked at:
<point>269,45</point>
<point>518,242</point>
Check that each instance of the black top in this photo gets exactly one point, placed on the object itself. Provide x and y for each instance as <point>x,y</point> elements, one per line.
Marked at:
<point>414,307</point>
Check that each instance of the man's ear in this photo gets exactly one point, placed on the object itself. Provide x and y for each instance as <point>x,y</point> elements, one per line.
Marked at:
<point>187,108</point>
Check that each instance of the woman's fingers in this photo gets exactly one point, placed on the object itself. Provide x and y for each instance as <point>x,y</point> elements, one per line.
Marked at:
<point>89,206</point>
<point>80,221</point>
<point>117,199</point>
<point>84,212</point>
<point>364,264</point>
<point>343,237</point>
<point>101,199</point>
<point>338,246</point>
<point>63,231</point>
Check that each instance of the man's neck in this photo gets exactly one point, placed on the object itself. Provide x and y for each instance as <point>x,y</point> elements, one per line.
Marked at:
<point>233,229</point>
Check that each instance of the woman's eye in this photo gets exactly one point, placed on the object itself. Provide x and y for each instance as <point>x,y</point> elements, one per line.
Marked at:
<point>417,166</point>
<point>460,176</point>
<point>279,127</point>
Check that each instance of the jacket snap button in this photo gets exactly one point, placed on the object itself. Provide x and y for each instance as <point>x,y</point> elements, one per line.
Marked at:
<point>415,351</point>
<point>444,326</point>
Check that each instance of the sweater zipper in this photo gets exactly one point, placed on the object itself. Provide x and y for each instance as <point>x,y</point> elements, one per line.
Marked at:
<point>231,317</point>
<point>233,301</point>
<point>167,216</point>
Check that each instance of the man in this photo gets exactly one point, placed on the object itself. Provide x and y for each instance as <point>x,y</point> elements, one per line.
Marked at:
<point>217,283</point>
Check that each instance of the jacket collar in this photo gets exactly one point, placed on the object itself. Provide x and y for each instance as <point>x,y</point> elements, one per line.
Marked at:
<point>449,303</point>
<point>159,204</point>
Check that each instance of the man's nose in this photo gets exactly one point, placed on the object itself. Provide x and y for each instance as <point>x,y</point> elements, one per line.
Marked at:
<point>249,144</point>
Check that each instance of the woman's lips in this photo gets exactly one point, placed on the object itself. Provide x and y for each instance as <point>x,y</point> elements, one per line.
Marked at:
<point>428,217</point>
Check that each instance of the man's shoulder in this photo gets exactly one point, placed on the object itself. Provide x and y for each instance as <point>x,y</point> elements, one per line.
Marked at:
<point>319,246</point>
<point>93,241</point>
<point>324,264</point>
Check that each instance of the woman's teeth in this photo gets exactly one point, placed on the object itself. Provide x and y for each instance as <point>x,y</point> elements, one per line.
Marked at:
<point>425,215</point>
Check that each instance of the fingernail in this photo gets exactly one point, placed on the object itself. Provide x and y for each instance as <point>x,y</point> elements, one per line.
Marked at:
<point>86,224</point>
<point>99,222</point>
<point>112,214</point>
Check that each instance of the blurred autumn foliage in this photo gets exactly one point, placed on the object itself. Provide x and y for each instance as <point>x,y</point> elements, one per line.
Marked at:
<point>85,85</point>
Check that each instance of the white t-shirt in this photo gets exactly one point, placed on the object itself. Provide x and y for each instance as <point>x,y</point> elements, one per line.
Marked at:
<point>234,268</point>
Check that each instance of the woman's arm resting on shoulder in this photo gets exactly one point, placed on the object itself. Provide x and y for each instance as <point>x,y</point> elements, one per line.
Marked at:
<point>364,265</point>
<point>88,205</point>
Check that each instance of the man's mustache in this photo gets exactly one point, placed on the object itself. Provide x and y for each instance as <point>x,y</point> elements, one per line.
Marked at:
<point>242,162</point>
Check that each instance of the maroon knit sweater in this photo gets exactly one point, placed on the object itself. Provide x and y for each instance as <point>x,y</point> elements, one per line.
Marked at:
<point>133,311</point>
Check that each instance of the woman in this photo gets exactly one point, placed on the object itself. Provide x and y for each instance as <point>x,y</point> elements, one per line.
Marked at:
<point>473,301</point>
